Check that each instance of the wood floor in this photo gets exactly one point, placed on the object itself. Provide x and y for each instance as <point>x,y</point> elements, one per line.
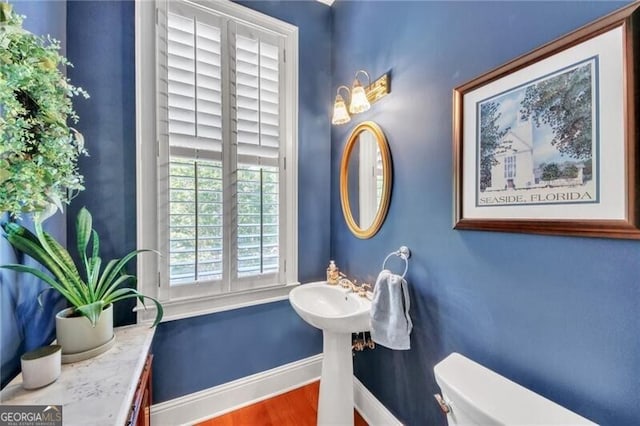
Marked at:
<point>298,407</point>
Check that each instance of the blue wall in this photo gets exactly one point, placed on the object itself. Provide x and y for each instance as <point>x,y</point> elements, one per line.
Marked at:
<point>199,353</point>
<point>557,314</point>
<point>23,324</point>
<point>101,45</point>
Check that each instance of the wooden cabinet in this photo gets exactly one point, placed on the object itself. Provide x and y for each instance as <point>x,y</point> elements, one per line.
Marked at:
<point>140,414</point>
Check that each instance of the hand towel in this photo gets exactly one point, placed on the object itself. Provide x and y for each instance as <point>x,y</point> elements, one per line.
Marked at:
<point>390,321</point>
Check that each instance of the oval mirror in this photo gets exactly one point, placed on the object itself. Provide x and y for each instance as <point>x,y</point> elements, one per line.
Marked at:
<point>365,180</point>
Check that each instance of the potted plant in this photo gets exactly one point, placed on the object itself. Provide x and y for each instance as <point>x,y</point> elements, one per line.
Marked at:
<point>91,292</point>
<point>39,151</point>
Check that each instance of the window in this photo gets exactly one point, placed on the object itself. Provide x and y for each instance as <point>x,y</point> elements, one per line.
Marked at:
<point>510,167</point>
<point>220,89</point>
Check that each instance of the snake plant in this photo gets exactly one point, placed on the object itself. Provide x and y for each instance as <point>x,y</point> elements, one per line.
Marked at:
<point>93,290</point>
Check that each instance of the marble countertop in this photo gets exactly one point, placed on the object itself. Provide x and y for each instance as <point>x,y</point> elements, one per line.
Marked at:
<point>98,391</point>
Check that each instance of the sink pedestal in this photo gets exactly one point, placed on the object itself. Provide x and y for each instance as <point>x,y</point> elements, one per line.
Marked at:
<point>335,403</point>
<point>338,312</point>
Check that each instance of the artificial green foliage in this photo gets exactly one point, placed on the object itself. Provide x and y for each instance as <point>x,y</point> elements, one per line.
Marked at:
<point>38,151</point>
<point>90,291</point>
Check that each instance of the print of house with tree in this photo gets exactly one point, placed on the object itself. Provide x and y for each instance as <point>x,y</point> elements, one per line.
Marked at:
<point>558,152</point>
<point>513,166</point>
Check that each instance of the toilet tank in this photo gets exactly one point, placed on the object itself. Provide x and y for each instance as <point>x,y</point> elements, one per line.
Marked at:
<point>479,396</point>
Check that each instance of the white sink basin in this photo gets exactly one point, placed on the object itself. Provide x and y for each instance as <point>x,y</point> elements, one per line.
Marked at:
<point>331,307</point>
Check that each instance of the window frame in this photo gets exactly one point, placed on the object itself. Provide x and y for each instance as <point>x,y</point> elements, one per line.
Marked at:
<point>148,150</point>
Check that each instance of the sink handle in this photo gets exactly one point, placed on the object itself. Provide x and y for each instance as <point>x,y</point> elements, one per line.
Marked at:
<point>362,291</point>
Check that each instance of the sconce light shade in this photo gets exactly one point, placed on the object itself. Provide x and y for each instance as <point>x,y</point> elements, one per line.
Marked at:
<point>359,102</point>
<point>360,97</point>
<point>340,114</point>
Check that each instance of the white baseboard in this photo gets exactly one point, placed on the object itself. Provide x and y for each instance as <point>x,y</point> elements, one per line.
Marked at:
<point>230,396</point>
<point>371,410</point>
<point>218,400</point>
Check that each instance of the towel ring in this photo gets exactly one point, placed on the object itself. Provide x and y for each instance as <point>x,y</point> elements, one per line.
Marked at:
<point>404,253</point>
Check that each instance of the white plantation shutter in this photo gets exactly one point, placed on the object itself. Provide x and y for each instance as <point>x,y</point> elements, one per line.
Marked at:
<point>221,160</point>
<point>195,141</point>
<point>256,92</point>
<point>195,224</point>
<point>194,81</point>
<point>256,62</point>
<point>216,151</point>
<point>258,221</point>
<point>190,165</point>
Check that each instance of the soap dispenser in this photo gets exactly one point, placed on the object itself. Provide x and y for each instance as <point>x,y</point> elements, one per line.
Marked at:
<point>332,273</point>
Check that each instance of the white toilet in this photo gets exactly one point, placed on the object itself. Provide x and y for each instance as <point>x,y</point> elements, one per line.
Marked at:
<point>475,395</point>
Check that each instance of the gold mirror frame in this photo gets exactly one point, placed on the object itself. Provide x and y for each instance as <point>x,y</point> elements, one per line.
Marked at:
<point>386,183</point>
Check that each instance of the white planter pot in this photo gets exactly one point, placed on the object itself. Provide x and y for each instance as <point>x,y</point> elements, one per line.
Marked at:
<point>40,367</point>
<point>77,335</point>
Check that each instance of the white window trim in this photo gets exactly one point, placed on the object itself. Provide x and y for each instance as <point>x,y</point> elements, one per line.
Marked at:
<point>146,170</point>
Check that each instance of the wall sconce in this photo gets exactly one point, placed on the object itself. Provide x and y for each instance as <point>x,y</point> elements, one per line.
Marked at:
<point>340,114</point>
<point>361,98</point>
<point>359,102</point>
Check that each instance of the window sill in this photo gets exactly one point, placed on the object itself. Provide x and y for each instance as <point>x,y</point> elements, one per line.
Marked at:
<point>187,308</point>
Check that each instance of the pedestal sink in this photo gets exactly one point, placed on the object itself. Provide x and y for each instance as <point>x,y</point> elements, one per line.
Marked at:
<point>338,312</point>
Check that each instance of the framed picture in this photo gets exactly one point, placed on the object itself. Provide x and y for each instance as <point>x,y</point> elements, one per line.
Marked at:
<point>548,142</point>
